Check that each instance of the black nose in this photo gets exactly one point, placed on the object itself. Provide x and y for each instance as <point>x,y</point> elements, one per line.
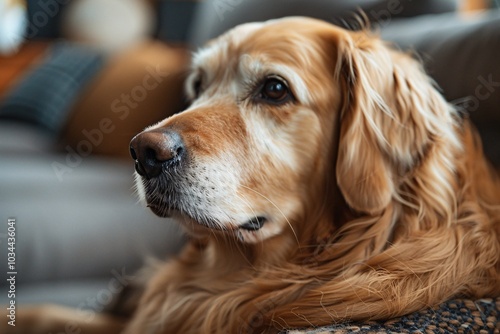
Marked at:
<point>156,149</point>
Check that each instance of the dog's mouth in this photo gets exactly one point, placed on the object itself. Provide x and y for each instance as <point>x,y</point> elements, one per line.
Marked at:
<point>253,224</point>
<point>161,210</point>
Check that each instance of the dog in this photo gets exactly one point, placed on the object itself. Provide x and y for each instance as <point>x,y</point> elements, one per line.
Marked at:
<point>321,178</point>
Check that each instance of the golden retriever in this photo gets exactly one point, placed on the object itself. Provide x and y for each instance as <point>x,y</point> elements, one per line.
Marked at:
<point>321,178</point>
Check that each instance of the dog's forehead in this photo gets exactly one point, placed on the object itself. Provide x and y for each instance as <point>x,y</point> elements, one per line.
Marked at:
<point>274,38</point>
<point>220,47</point>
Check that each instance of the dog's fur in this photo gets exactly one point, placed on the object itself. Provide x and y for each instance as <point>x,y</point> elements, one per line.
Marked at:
<point>377,197</point>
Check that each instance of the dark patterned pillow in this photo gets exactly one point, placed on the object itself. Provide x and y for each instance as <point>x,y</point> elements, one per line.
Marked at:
<point>45,95</point>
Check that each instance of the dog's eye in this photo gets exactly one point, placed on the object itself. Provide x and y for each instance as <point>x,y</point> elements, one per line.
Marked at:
<point>197,87</point>
<point>275,91</point>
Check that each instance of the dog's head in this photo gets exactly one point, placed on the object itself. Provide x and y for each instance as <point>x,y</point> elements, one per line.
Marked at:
<point>284,114</point>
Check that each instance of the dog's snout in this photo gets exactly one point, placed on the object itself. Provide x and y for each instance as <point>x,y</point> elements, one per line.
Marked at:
<point>155,150</point>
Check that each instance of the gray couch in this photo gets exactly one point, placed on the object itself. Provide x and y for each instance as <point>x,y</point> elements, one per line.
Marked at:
<point>72,234</point>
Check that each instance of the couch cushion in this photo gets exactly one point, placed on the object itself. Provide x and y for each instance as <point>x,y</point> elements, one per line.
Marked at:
<point>19,138</point>
<point>136,89</point>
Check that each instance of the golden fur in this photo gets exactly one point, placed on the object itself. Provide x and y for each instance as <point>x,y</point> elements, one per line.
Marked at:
<point>380,201</point>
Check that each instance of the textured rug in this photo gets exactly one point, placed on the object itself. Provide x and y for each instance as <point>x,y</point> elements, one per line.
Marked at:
<point>462,316</point>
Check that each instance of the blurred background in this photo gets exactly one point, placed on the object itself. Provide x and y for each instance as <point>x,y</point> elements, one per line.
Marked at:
<point>79,78</point>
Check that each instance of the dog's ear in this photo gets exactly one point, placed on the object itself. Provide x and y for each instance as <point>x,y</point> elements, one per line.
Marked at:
<point>391,111</point>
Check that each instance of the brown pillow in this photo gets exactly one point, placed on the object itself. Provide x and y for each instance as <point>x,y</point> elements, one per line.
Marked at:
<point>135,89</point>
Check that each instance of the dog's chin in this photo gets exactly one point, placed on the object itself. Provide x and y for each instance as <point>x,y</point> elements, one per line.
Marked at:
<point>252,230</point>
